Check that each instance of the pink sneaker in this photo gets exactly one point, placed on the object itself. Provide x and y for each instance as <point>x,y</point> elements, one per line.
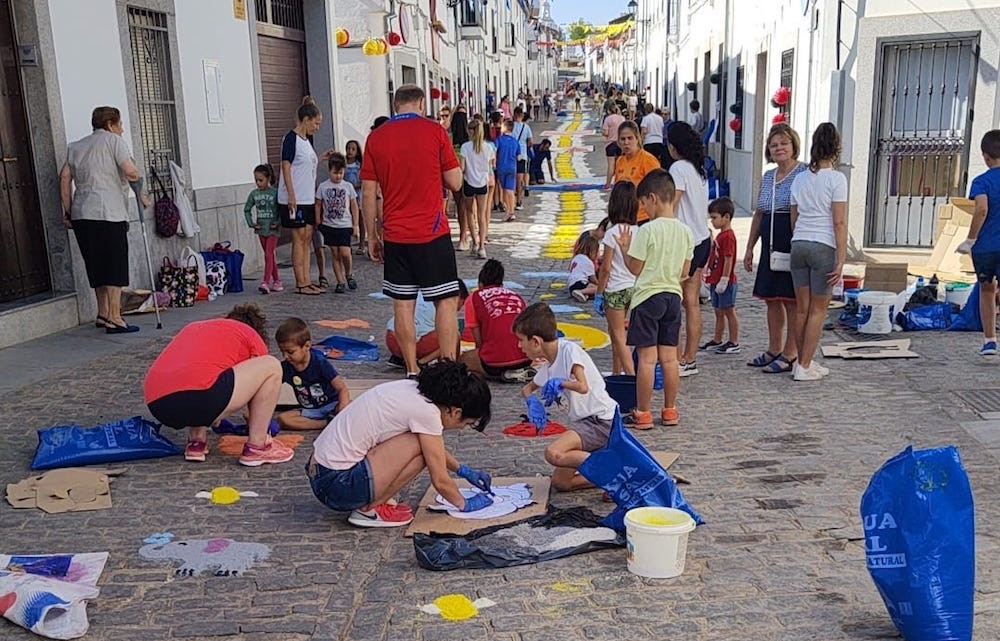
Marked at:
<point>273,452</point>
<point>383,515</point>
<point>277,286</point>
<point>264,289</point>
<point>196,451</point>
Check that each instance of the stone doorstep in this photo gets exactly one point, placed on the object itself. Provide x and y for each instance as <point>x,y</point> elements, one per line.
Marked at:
<point>36,319</point>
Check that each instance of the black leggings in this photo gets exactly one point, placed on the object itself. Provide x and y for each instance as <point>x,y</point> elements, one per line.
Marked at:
<point>195,408</point>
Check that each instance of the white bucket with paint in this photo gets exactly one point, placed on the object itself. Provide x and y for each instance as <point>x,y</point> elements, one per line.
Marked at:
<point>958,293</point>
<point>881,305</point>
<point>656,540</point>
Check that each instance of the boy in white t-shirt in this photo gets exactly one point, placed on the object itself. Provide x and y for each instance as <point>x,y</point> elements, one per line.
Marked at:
<point>337,213</point>
<point>568,371</point>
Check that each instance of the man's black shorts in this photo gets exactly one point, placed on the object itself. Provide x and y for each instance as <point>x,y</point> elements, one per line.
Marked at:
<point>421,267</point>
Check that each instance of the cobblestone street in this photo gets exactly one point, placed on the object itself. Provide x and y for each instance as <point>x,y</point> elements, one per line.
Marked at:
<point>776,468</point>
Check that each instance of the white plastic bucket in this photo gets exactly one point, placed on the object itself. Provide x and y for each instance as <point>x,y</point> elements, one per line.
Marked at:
<point>958,294</point>
<point>656,540</point>
<point>881,305</point>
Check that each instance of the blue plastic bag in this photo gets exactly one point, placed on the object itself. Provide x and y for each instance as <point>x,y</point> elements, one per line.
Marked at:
<point>936,316</point>
<point>354,350</point>
<point>919,526</point>
<point>969,319</point>
<point>125,440</point>
<point>232,259</point>
<point>631,477</point>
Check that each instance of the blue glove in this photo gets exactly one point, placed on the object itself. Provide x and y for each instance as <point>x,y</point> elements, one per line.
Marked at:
<point>552,390</point>
<point>536,412</point>
<point>599,304</point>
<point>478,478</point>
<point>477,502</point>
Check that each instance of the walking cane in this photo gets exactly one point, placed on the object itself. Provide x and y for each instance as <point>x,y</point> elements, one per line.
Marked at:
<point>136,186</point>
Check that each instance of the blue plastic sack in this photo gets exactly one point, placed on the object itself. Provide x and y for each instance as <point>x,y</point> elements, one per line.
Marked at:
<point>936,316</point>
<point>969,319</point>
<point>125,440</point>
<point>354,350</point>
<point>631,477</point>
<point>657,372</point>
<point>919,526</point>
<point>232,259</point>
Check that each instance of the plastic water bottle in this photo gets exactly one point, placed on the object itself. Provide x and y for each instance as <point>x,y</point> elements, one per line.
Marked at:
<point>920,282</point>
<point>838,289</point>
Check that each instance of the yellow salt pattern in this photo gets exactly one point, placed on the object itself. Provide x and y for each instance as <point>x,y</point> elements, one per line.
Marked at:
<point>456,607</point>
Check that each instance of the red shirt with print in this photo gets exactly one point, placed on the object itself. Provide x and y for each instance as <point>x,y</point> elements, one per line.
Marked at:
<point>493,309</point>
<point>407,156</point>
<point>198,354</point>
<point>723,247</point>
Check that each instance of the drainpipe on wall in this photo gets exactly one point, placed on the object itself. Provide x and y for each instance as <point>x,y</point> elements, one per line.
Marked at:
<point>331,47</point>
<point>390,68</point>
<point>813,20</point>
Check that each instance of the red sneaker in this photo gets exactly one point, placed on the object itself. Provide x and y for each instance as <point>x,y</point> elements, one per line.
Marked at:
<point>383,515</point>
<point>196,451</point>
<point>273,452</point>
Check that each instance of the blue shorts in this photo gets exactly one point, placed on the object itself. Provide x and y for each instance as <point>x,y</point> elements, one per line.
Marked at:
<point>342,490</point>
<point>507,180</point>
<point>987,265</point>
<point>726,299</point>
<point>324,413</point>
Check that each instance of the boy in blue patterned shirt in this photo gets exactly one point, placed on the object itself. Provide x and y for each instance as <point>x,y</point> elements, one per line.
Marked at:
<point>319,388</point>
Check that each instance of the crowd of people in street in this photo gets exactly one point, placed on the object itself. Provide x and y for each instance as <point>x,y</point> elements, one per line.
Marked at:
<point>644,269</point>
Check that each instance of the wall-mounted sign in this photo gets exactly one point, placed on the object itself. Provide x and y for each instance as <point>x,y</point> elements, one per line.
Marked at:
<point>240,9</point>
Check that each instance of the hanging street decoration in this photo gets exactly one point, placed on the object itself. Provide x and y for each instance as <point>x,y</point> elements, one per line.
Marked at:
<point>736,124</point>
<point>343,37</point>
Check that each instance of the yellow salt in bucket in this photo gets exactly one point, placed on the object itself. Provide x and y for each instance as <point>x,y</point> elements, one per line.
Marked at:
<point>656,540</point>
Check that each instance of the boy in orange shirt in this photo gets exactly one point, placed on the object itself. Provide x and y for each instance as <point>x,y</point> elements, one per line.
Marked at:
<point>635,162</point>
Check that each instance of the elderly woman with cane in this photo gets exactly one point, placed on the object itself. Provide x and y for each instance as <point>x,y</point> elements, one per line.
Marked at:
<point>100,166</point>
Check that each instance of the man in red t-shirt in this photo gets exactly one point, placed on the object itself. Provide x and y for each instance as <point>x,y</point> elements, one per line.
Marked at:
<point>721,278</point>
<point>490,312</point>
<point>409,158</point>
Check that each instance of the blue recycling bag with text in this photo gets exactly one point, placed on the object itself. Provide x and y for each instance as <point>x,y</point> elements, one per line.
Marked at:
<point>920,531</point>
<point>632,477</point>
<point>125,440</point>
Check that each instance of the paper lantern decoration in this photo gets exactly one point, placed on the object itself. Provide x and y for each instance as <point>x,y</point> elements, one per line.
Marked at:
<point>383,46</point>
<point>343,37</point>
<point>779,118</point>
<point>714,78</point>
<point>371,47</point>
<point>736,109</point>
<point>782,96</point>
<point>435,93</point>
<point>735,124</point>
<point>774,103</point>
<point>691,86</point>
<point>445,96</point>
<point>393,38</point>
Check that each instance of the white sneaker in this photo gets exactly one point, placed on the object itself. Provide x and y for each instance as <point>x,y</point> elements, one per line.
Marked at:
<point>482,253</point>
<point>822,370</point>
<point>812,373</point>
<point>579,295</point>
<point>687,369</point>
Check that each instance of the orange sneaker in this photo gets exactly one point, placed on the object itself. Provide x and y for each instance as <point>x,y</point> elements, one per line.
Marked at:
<point>642,420</point>
<point>670,416</point>
<point>273,452</point>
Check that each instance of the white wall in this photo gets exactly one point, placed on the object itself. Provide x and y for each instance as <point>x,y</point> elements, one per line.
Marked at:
<point>905,7</point>
<point>220,153</point>
<point>89,61</point>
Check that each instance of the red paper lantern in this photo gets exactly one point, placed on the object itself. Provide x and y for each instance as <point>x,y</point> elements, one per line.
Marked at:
<point>779,118</point>
<point>445,96</point>
<point>393,38</point>
<point>782,96</point>
<point>435,93</point>
<point>735,124</point>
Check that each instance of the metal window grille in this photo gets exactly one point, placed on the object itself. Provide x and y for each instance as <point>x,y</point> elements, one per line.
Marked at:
<point>787,74</point>
<point>740,95</point>
<point>921,146</point>
<point>281,13</point>
<point>154,87</point>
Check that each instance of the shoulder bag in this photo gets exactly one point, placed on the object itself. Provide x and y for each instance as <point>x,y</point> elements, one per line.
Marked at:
<point>779,261</point>
<point>165,213</point>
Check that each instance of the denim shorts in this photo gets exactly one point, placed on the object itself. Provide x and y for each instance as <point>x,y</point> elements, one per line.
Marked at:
<point>320,413</point>
<point>342,490</point>
<point>726,299</point>
<point>812,263</point>
<point>987,266</point>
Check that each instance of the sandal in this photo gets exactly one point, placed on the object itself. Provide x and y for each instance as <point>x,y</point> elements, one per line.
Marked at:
<point>308,290</point>
<point>780,365</point>
<point>101,322</point>
<point>763,359</point>
<point>324,283</point>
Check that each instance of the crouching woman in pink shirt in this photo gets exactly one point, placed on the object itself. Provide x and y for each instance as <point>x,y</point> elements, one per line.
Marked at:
<point>389,434</point>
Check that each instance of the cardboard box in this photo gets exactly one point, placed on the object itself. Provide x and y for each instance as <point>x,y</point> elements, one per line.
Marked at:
<point>886,277</point>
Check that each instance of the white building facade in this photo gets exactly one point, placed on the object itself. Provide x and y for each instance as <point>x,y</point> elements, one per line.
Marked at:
<point>212,86</point>
<point>901,79</point>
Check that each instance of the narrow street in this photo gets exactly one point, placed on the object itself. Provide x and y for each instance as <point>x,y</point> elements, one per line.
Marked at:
<point>776,468</point>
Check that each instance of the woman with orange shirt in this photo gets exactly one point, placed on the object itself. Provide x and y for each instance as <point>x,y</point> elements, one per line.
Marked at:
<point>635,162</point>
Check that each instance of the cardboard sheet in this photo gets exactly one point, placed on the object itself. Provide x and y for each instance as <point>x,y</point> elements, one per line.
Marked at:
<point>666,459</point>
<point>870,350</point>
<point>286,398</point>
<point>70,489</point>
<point>425,521</point>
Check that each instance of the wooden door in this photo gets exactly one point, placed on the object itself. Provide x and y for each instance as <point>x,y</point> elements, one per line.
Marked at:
<point>283,84</point>
<point>24,263</point>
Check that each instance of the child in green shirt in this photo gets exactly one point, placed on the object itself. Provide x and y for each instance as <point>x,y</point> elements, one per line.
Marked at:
<point>264,200</point>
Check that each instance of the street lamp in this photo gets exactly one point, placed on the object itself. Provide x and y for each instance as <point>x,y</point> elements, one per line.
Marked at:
<point>632,7</point>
